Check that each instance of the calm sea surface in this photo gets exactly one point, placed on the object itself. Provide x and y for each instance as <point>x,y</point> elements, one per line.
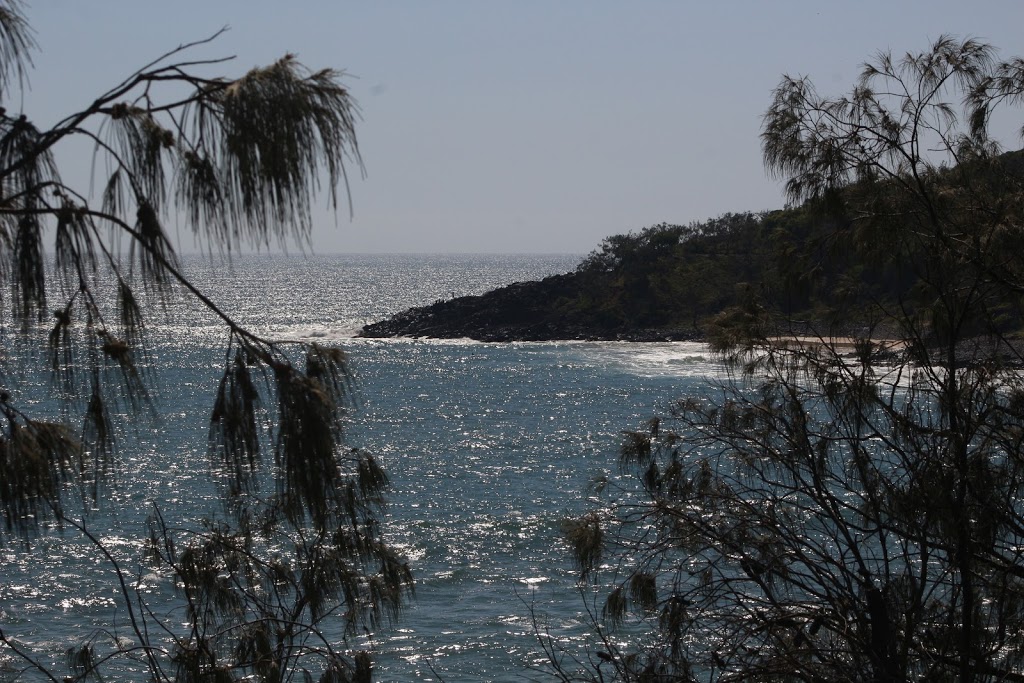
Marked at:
<point>488,447</point>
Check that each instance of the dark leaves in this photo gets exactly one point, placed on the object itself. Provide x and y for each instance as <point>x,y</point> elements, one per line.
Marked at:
<point>36,460</point>
<point>264,140</point>
<point>141,143</point>
<point>235,426</point>
<point>586,541</point>
<point>16,43</point>
<point>29,271</point>
<point>152,248</point>
<point>305,447</point>
<point>242,160</point>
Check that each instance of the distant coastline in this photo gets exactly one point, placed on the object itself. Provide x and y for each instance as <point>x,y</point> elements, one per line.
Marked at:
<point>664,283</point>
<point>739,276</point>
<point>524,311</point>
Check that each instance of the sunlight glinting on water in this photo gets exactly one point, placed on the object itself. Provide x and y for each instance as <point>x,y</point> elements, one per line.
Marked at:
<point>488,447</point>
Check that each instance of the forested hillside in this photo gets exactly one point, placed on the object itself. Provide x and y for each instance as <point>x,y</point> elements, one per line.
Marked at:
<point>805,269</point>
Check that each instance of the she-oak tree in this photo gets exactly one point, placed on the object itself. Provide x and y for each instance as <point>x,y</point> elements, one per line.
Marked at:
<point>240,159</point>
<point>845,511</point>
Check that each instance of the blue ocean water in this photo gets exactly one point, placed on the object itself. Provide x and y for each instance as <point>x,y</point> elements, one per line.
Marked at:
<point>488,446</point>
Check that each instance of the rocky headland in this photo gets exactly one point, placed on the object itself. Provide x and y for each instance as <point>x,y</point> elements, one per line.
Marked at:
<point>738,276</point>
<point>524,311</point>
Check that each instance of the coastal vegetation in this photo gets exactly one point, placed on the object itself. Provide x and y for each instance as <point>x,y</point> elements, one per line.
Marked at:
<point>842,513</point>
<point>298,544</point>
<point>795,266</point>
<point>825,512</point>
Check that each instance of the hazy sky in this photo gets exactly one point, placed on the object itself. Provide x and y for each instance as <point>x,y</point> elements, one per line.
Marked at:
<point>526,125</point>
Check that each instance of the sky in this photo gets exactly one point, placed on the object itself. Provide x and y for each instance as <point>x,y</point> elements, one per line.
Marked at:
<point>526,126</point>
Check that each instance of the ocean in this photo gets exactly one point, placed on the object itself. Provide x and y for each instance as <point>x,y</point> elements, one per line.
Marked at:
<point>488,447</point>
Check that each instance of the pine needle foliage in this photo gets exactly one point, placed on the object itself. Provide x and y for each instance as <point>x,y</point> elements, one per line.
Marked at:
<point>261,142</point>
<point>845,510</point>
<point>298,547</point>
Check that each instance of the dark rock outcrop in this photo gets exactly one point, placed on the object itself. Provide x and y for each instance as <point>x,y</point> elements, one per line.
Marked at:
<point>525,311</point>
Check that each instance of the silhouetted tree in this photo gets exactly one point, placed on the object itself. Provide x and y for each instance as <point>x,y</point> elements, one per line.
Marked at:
<point>845,510</point>
<point>240,160</point>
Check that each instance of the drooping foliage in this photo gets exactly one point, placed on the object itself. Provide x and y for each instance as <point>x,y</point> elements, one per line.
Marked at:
<point>240,160</point>
<point>846,509</point>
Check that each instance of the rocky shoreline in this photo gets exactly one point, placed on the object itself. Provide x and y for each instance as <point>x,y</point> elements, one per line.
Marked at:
<point>524,311</point>
<point>550,310</point>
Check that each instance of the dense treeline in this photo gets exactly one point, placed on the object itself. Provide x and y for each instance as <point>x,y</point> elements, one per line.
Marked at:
<point>798,264</point>
<point>665,281</point>
<point>799,267</point>
<point>672,275</point>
